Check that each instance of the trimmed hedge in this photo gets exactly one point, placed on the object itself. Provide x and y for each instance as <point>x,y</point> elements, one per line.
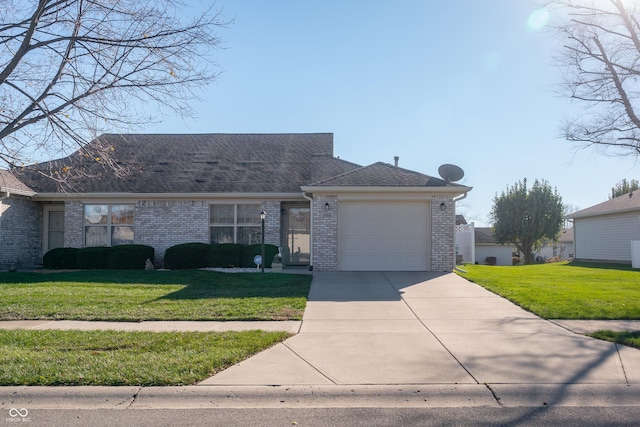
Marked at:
<point>251,251</point>
<point>186,255</point>
<point>93,258</point>
<point>225,255</point>
<point>60,258</point>
<point>129,257</point>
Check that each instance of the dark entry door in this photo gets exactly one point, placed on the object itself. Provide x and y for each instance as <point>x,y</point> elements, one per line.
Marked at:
<point>297,243</point>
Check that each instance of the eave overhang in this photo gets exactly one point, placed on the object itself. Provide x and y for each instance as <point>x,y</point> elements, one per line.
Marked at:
<point>165,196</point>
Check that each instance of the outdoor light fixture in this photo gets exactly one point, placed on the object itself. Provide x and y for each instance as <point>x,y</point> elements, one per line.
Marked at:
<point>326,206</point>
<point>263,215</point>
<point>442,206</point>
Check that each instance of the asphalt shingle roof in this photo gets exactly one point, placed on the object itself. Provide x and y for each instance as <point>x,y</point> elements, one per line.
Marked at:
<point>194,163</point>
<point>10,184</point>
<point>484,235</point>
<point>625,203</point>
<point>381,175</point>
<point>218,163</point>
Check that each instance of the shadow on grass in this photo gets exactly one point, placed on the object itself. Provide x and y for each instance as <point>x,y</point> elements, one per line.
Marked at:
<point>197,284</point>
<point>628,338</point>
<point>601,265</point>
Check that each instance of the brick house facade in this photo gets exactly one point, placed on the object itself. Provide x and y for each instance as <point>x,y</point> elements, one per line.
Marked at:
<point>197,188</point>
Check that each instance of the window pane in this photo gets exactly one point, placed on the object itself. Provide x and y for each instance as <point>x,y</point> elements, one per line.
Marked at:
<point>222,214</point>
<point>122,214</point>
<point>249,214</point>
<point>95,214</point>
<point>121,235</point>
<point>221,235</point>
<point>249,235</point>
<point>95,236</point>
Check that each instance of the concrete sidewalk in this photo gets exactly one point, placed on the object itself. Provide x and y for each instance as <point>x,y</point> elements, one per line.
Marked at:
<point>392,339</point>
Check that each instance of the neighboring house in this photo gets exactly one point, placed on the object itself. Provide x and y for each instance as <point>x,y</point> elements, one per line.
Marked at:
<point>487,247</point>
<point>326,213</point>
<point>478,244</point>
<point>562,248</point>
<point>604,232</point>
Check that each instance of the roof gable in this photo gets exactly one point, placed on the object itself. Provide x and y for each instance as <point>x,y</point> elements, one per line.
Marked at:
<point>10,184</point>
<point>381,175</point>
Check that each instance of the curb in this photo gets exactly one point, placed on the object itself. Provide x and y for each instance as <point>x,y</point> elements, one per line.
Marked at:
<point>335,396</point>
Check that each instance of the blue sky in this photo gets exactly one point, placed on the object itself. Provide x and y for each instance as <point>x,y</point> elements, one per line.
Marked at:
<point>467,82</point>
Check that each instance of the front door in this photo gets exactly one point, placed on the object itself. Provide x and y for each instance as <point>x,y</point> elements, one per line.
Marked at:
<point>53,227</point>
<point>297,236</point>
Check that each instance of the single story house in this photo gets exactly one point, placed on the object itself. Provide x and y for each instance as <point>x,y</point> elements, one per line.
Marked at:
<point>326,213</point>
<point>477,245</point>
<point>486,247</point>
<point>562,248</point>
<point>604,232</point>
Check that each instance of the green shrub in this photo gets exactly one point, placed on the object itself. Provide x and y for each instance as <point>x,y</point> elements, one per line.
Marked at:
<point>93,258</point>
<point>60,258</point>
<point>225,255</point>
<point>186,255</point>
<point>129,257</point>
<point>252,250</point>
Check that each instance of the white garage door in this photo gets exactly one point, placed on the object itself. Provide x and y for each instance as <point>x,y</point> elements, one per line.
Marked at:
<point>389,236</point>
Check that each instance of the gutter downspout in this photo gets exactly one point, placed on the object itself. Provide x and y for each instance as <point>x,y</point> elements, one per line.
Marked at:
<point>310,199</point>
<point>473,249</point>
<point>6,195</point>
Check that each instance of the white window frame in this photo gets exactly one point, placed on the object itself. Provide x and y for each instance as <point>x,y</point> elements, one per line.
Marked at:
<point>235,224</point>
<point>109,225</point>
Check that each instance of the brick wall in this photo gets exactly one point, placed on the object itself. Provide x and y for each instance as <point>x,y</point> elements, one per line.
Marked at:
<point>272,222</point>
<point>442,233</point>
<point>165,223</point>
<point>73,225</point>
<point>325,233</point>
<point>20,233</point>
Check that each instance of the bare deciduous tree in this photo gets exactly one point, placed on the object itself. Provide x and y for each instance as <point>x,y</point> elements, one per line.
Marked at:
<point>601,64</point>
<point>73,69</point>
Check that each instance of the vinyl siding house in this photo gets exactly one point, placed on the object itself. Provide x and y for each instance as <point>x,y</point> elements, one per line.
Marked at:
<point>326,213</point>
<point>487,246</point>
<point>562,248</point>
<point>604,232</point>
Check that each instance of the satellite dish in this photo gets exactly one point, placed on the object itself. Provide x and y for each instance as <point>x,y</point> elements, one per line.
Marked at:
<point>451,173</point>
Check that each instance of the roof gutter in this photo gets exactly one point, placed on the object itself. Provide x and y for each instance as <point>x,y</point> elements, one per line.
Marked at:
<point>165,196</point>
<point>384,189</point>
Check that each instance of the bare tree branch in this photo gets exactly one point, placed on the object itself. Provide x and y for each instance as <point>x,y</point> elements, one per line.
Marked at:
<point>73,69</point>
<point>601,60</point>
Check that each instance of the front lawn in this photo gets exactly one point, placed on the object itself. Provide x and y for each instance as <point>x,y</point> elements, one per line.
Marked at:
<point>565,290</point>
<point>115,358</point>
<point>130,295</point>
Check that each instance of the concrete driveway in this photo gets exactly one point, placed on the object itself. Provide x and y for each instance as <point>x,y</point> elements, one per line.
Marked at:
<point>371,328</point>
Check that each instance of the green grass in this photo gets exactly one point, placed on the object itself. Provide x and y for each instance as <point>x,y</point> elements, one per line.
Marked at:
<point>631,339</point>
<point>563,290</point>
<point>118,295</point>
<point>116,358</point>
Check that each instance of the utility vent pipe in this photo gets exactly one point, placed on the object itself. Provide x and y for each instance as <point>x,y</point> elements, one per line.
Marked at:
<point>395,160</point>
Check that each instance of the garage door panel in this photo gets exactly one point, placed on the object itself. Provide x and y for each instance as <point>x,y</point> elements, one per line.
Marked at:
<point>388,236</point>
